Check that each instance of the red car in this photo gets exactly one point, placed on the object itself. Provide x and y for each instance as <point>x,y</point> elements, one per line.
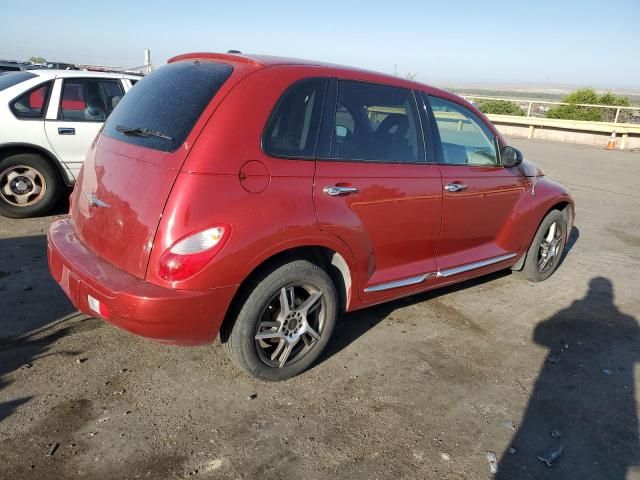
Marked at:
<point>258,197</point>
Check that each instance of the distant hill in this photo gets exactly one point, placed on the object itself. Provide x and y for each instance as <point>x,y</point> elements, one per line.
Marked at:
<point>540,92</point>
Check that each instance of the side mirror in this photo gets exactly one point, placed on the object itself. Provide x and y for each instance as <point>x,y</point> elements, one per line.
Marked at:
<point>511,157</point>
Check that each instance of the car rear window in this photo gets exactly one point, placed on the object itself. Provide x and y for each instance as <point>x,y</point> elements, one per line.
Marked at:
<point>10,79</point>
<point>165,105</point>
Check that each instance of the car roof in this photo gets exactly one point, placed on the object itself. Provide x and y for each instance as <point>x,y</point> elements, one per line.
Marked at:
<point>265,61</point>
<point>52,73</point>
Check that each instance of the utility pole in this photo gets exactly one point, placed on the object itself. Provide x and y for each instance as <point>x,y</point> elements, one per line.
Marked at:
<point>147,61</point>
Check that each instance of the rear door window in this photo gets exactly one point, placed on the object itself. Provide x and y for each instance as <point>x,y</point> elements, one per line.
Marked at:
<point>165,105</point>
<point>376,123</point>
<point>89,99</point>
<point>32,104</point>
<point>292,130</point>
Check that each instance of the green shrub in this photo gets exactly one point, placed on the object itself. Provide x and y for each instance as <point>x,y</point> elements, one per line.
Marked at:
<point>500,107</point>
<point>589,96</point>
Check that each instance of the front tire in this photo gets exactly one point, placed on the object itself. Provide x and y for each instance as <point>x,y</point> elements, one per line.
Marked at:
<point>284,323</point>
<point>29,185</point>
<point>547,247</point>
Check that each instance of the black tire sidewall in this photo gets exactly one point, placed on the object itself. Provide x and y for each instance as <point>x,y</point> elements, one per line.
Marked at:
<point>530,269</point>
<point>51,177</point>
<point>241,343</point>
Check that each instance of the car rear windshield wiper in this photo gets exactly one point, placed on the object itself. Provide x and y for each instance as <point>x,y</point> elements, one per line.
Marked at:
<point>142,132</point>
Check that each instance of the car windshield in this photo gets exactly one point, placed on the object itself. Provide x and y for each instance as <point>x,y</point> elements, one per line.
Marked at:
<point>9,79</point>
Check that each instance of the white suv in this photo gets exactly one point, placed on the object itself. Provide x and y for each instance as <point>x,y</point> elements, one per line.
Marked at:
<point>48,119</point>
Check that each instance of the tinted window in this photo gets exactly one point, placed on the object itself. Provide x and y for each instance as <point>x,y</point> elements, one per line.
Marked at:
<point>466,140</point>
<point>33,103</point>
<point>292,130</point>
<point>13,78</point>
<point>376,122</point>
<point>168,101</point>
<point>89,99</point>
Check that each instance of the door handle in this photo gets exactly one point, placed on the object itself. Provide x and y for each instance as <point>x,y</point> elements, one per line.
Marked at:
<point>66,131</point>
<point>455,187</point>
<point>335,190</point>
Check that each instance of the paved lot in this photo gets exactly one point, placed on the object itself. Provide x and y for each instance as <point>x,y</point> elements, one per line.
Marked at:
<point>420,388</point>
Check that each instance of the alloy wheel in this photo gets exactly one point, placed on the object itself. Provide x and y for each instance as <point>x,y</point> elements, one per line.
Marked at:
<point>22,186</point>
<point>291,325</point>
<point>551,247</point>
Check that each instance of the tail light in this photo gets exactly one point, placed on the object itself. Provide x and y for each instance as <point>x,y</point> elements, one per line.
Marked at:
<point>191,253</point>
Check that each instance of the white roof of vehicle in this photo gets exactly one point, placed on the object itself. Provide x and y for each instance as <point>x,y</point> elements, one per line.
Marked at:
<point>46,73</point>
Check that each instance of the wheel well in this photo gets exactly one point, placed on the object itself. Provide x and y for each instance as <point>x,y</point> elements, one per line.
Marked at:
<point>563,206</point>
<point>10,150</point>
<point>331,261</point>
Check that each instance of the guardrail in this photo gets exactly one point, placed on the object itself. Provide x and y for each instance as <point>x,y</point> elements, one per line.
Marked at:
<point>539,108</point>
<point>627,135</point>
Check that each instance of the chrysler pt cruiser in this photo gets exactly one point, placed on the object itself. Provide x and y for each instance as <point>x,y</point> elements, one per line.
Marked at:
<point>256,198</point>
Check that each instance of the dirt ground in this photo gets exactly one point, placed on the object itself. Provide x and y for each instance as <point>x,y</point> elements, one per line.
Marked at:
<point>419,388</point>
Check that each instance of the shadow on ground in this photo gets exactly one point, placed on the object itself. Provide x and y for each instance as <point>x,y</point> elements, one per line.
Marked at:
<point>34,312</point>
<point>581,415</point>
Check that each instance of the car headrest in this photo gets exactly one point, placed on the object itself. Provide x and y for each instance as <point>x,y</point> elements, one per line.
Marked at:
<point>94,109</point>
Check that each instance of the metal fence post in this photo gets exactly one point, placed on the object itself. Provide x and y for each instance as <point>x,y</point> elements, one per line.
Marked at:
<point>529,110</point>
<point>617,115</point>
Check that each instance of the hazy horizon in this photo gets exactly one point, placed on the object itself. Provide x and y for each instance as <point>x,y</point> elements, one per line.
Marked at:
<point>496,43</point>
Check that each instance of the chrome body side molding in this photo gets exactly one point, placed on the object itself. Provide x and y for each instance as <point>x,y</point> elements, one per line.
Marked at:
<point>472,266</point>
<point>405,282</point>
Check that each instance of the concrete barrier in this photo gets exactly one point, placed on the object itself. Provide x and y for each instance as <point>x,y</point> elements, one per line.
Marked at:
<point>574,131</point>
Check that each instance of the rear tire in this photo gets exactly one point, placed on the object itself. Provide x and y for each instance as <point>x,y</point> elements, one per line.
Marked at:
<point>545,253</point>
<point>29,185</point>
<point>272,342</point>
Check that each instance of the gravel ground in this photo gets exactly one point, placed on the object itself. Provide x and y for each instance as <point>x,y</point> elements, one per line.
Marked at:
<point>419,388</point>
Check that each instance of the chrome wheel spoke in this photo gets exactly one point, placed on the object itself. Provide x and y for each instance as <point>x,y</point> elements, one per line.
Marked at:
<point>285,354</point>
<point>268,330</point>
<point>544,261</point>
<point>11,175</point>
<point>551,233</point>
<point>29,173</point>
<point>36,189</point>
<point>21,199</point>
<point>267,334</point>
<point>310,304</point>
<point>286,300</point>
<point>7,190</point>
<point>278,349</point>
<point>312,333</point>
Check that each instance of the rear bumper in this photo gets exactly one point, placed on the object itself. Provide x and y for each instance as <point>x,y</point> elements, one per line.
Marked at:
<point>180,317</point>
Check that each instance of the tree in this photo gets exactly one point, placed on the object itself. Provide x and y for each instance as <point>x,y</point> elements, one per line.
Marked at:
<point>587,96</point>
<point>500,107</point>
<point>37,60</point>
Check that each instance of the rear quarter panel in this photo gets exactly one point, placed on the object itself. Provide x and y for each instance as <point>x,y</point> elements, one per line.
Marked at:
<point>209,189</point>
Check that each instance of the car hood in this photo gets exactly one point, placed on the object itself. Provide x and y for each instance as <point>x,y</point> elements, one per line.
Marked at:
<point>530,169</point>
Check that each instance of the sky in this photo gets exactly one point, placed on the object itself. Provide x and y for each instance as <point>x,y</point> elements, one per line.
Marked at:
<point>590,43</point>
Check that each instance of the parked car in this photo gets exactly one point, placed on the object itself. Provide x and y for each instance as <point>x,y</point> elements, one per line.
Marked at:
<point>13,66</point>
<point>49,118</point>
<point>273,194</point>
